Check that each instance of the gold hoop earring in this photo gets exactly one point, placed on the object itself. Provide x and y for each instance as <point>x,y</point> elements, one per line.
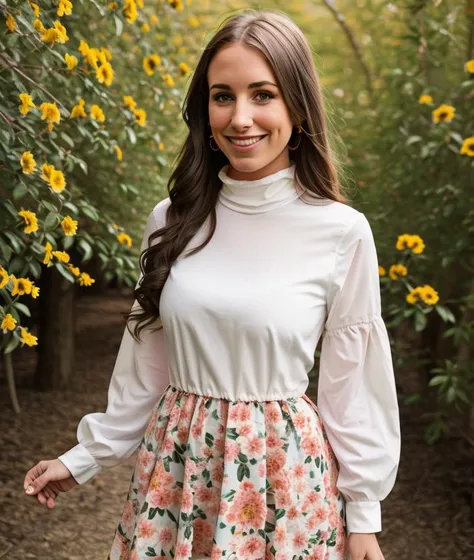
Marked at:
<point>210,143</point>
<point>299,141</point>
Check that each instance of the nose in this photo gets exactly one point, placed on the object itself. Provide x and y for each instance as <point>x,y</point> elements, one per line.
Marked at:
<point>242,116</point>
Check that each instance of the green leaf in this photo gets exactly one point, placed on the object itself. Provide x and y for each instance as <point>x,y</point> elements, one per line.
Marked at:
<point>5,251</point>
<point>19,191</point>
<point>420,321</point>
<point>14,240</point>
<point>118,25</point>
<point>14,342</point>
<point>22,308</point>
<point>85,246</point>
<point>65,272</point>
<point>51,221</point>
<point>445,314</point>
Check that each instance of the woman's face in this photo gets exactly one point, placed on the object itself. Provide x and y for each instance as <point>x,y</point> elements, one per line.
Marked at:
<point>237,107</point>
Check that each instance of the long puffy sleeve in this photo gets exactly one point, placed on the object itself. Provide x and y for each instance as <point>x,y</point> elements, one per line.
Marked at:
<point>140,376</point>
<point>357,397</point>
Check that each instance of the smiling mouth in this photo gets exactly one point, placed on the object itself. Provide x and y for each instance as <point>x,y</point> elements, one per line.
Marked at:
<point>246,142</point>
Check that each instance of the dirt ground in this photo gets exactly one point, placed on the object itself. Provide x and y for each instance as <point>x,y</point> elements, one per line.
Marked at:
<point>428,515</point>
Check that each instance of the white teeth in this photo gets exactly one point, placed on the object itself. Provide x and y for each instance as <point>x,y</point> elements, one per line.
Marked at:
<point>245,142</point>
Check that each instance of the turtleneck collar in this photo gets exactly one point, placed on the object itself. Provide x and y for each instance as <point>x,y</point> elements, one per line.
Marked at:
<point>260,195</point>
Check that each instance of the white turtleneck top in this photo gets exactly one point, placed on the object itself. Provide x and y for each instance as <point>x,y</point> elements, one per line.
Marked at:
<point>241,321</point>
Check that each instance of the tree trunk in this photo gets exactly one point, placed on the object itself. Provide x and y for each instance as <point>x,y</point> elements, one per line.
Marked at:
<point>56,331</point>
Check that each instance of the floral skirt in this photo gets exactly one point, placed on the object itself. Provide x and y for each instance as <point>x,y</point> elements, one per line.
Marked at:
<point>237,480</point>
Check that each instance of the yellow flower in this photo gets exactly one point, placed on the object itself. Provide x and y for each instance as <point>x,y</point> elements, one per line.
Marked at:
<point>35,292</point>
<point>69,226</point>
<point>85,279</point>
<point>55,34</point>
<point>10,23</point>
<point>28,163</point>
<point>27,338</point>
<point>115,226</point>
<point>168,79</point>
<point>140,116</point>
<point>414,296</point>
<point>382,271</point>
<point>21,286</point>
<point>36,9</point>
<point>47,169</point>
<point>161,146</point>
<point>105,74</point>
<point>48,253</point>
<point>50,112</point>
<point>429,295</point>
<point>184,68</point>
<point>83,47</point>
<point>444,113</point>
<point>425,99</point>
<point>193,21</point>
<point>119,152</point>
<point>129,102</point>
<point>154,19</point>
<point>112,5</point>
<point>31,220</point>
<point>397,270</point>
<point>97,113</point>
<point>124,239</point>
<point>8,322</point>
<point>62,256</point>
<point>150,63</point>
<point>78,110</point>
<point>145,28</point>
<point>57,181</point>
<point>469,66</point>
<point>71,61</point>
<point>468,146</point>
<point>4,278</point>
<point>64,8</point>
<point>74,269</point>
<point>26,103</point>
<point>38,25</point>
<point>130,10</point>
<point>413,242</point>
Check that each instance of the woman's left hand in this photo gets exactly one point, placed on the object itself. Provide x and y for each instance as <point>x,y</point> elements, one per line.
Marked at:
<point>364,546</point>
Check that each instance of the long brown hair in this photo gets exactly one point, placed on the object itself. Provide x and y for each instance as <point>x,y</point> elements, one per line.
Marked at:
<point>194,185</point>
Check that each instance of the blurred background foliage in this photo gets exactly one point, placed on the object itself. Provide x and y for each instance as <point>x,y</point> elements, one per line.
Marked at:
<point>398,81</point>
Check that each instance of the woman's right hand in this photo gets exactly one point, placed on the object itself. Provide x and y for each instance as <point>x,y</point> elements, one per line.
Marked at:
<point>46,479</point>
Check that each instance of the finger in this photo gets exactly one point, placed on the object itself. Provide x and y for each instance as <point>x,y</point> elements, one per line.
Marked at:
<point>33,476</point>
<point>41,498</point>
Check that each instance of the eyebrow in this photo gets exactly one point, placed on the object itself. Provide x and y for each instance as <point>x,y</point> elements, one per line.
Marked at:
<point>251,86</point>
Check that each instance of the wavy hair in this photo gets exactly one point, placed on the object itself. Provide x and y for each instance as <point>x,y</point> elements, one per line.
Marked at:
<point>194,185</point>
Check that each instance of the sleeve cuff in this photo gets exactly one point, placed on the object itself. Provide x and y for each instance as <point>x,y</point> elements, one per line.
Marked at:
<point>80,463</point>
<point>363,517</point>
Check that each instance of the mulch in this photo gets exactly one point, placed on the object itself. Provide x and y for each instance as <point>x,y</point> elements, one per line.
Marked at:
<point>428,515</point>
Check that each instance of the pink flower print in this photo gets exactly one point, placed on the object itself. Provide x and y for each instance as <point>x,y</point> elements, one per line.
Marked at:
<point>299,541</point>
<point>293,513</point>
<point>245,430</point>
<point>262,469</point>
<point>151,423</point>
<point>145,529</point>
<point>299,420</point>
<point>128,512</point>
<point>161,478</point>
<point>232,451</point>
<point>273,440</point>
<point>159,433</point>
<point>281,483</point>
<point>146,460</point>
<point>276,459</point>
<point>280,535</point>
<point>203,493</point>
<point>247,485</point>
<point>216,553</point>
<point>252,548</point>
<point>206,451</point>
<point>162,498</point>
<point>203,533</point>
<point>299,485</point>
<point>217,473</point>
<point>190,468</point>
<point>311,446</point>
<point>272,413</point>
<point>282,556</point>
<point>196,430</point>
<point>222,507</point>
<point>298,470</point>
<point>316,518</point>
<point>173,418</point>
<point>248,509</point>
<point>219,445</point>
<point>240,412</point>
<point>183,551</point>
<point>167,445</point>
<point>183,432</point>
<point>284,500</point>
<point>221,429</point>
<point>177,492</point>
<point>186,504</point>
<point>255,446</point>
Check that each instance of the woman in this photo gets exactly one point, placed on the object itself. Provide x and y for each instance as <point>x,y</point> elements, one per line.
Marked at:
<point>251,259</point>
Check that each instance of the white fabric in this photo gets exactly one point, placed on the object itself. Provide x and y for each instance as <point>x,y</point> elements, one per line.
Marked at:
<point>242,318</point>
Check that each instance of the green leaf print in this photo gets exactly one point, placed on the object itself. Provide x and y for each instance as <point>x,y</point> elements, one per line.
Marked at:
<point>317,461</point>
<point>208,403</point>
<point>151,552</point>
<point>187,532</point>
<point>209,439</point>
<point>222,525</point>
<point>232,433</point>
<point>172,517</point>
<point>279,513</point>
<point>215,415</point>
<point>332,539</point>
<point>152,512</point>
<point>243,458</point>
<point>144,507</point>
<point>308,459</point>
